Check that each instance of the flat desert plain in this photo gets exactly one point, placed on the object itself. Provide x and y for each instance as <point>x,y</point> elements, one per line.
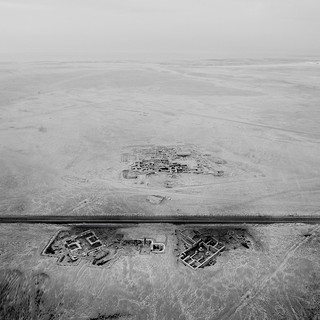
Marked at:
<point>65,126</point>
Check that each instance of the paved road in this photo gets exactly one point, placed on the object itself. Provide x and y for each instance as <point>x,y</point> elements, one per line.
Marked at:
<point>132,219</point>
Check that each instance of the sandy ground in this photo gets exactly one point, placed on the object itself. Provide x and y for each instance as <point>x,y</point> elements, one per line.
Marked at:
<point>278,278</point>
<point>64,126</point>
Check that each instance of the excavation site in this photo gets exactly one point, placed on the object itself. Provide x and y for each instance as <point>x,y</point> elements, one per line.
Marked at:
<point>159,160</point>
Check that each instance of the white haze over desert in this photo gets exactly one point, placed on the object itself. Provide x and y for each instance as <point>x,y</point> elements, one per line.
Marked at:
<point>147,29</point>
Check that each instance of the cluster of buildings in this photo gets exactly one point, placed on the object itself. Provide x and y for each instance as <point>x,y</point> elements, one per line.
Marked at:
<point>158,165</point>
<point>168,160</point>
<point>70,249</point>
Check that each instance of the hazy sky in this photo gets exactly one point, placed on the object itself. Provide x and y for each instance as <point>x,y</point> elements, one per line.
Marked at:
<point>103,29</point>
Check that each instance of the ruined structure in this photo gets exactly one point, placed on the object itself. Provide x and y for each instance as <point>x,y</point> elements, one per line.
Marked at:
<point>170,160</point>
<point>72,246</point>
<point>101,247</point>
<point>200,253</point>
<point>81,245</point>
<point>198,248</point>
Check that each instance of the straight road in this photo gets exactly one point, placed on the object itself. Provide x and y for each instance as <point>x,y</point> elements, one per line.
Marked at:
<point>135,219</point>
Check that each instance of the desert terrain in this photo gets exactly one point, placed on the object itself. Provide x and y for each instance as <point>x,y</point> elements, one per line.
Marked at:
<point>207,137</point>
<point>262,281</point>
<point>65,126</point>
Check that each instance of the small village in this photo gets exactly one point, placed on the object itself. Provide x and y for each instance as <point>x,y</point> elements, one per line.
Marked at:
<point>171,160</point>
